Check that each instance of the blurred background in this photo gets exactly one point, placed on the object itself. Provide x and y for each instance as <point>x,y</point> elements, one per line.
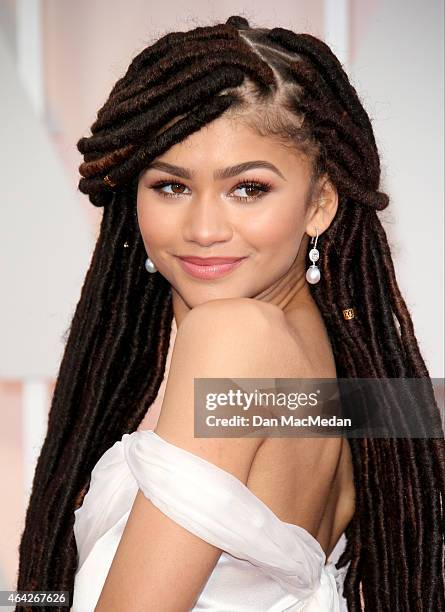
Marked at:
<point>58,62</point>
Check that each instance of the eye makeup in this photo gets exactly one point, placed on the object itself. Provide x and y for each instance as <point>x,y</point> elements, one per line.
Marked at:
<point>255,184</point>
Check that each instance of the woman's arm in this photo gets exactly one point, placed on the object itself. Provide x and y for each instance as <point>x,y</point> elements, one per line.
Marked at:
<point>159,565</point>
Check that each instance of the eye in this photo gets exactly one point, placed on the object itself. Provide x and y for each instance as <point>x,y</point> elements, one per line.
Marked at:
<point>161,184</point>
<point>255,185</point>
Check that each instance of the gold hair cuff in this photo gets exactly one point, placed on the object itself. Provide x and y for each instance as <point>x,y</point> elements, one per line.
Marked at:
<point>108,182</point>
<point>348,313</point>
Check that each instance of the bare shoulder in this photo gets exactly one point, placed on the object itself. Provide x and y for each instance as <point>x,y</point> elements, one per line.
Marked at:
<point>220,339</point>
<point>223,339</point>
<point>250,335</point>
<point>228,314</point>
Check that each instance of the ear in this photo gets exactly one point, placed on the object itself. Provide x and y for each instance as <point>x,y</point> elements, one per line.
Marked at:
<point>322,206</point>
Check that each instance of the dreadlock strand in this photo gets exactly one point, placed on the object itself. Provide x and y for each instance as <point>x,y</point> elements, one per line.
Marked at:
<point>330,115</point>
<point>152,54</point>
<point>117,112</point>
<point>176,133</point>
<point>356,535</point>
<point>378,503</point>
<point>393,356</point>
<point>138,127</point>
<point>370,523</point>
<point>161,143</point>
<point>399,305</point>
<point>191,52</point>
<point>346,295</point>
<point>329,67</point>
<point>370,309</point>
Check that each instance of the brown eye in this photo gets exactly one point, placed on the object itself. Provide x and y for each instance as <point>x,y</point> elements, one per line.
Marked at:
<point>250,188</point>
<point>259,189</point>
<point>174,186</point>
<point>255,187</point>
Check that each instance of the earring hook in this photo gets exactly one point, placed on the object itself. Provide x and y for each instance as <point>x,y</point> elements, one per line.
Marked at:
<point>316,238</point>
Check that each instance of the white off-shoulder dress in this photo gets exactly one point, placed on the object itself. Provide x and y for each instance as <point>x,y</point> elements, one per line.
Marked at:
<point>266,564</point>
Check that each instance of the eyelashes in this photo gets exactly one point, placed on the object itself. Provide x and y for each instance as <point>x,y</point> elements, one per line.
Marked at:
<point>262,186</point>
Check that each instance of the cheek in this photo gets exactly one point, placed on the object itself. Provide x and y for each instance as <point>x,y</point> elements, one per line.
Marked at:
<point>154,224</point>
<point>277,227</point>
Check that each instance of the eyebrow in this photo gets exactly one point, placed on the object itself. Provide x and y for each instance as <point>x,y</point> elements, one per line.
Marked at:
<point>220,173</point>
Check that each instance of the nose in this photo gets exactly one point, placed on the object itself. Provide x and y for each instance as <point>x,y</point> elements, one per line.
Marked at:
<point>206,222</point>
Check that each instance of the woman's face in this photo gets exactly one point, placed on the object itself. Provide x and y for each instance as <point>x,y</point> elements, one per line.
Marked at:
<point>195,200</point>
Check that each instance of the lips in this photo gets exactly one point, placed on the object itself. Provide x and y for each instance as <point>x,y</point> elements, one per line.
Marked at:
<point>209,261</point>
<point>207,268</point>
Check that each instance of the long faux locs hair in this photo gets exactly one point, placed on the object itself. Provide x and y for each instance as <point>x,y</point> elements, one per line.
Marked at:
<point>291,87</point>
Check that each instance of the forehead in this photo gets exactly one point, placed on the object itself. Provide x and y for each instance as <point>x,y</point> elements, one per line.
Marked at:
<point>228,140</point>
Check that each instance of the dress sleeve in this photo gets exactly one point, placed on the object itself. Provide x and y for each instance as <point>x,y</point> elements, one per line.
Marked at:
<point>217,507</point>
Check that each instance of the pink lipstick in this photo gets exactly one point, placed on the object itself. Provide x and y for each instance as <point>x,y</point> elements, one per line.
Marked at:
<point>209,267</point>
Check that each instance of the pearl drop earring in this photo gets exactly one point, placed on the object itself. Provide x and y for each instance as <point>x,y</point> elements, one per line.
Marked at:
<point>149,266</point>
<point>313,272</point>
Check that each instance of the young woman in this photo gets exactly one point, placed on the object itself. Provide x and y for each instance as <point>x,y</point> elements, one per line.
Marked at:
<point>243,144</point>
